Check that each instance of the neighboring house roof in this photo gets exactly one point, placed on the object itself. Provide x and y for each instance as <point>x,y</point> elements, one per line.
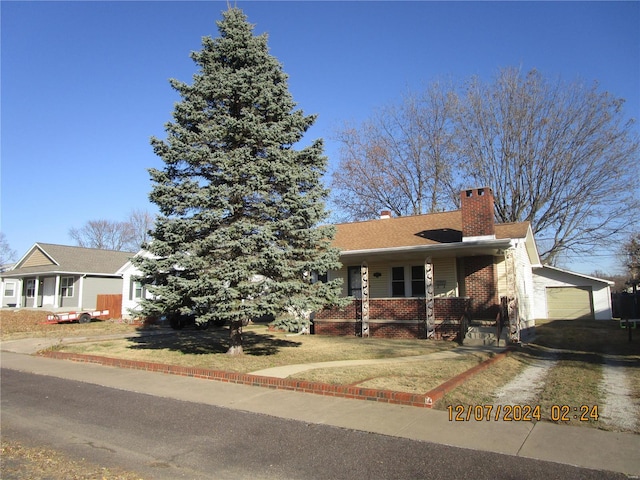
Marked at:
<point>45,258</point>
<point>414,231</point>
<point>541,270</point>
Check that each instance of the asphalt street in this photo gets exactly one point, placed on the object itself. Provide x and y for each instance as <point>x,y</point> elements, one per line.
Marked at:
<point>164,438</point>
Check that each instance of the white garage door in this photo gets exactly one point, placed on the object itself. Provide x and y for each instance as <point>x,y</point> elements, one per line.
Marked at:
<point>570,303</point>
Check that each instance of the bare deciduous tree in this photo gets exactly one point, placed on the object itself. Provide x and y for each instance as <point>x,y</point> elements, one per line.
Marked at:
<point>402,159</point>
<point>141,223</point>
<point>560,155</point>
<point>7,254</point>
<point>103,234</point>
<point>129,235</point>
<point>556,154</point>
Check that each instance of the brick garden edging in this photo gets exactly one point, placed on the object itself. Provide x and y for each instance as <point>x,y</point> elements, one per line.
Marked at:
<point>318,388</point>
<point>440,391</point>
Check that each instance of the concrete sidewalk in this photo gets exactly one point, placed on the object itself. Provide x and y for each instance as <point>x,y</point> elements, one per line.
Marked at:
<point>579,446</point>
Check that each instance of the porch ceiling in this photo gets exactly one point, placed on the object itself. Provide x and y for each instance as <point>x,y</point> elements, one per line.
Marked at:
<point>460,249</point>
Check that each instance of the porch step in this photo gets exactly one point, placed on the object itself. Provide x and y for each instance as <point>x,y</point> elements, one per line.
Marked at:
<point>484,335</point>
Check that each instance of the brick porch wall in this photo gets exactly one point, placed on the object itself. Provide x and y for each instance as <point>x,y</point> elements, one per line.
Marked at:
<point>393,318</point>
<point>481,286</point>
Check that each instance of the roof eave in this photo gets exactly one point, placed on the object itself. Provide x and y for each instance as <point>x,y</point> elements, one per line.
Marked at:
<point>442,247</point>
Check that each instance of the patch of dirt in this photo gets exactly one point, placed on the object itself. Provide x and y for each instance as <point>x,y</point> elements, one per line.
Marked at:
<point>620,408</point>
<point>524,388</point>
<point>20,462</point>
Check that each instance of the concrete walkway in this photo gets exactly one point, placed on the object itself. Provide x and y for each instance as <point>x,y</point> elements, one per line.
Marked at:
<point>579,446</point>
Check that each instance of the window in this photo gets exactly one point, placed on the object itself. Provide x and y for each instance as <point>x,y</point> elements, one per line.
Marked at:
<point>66,286</point>
<point>397,282</point>
<point>137,290</point>
<point>319,277</point>
<point>354,282</point>
<point>9,289</point>
<point>417,281</point>
<point>30,288</point>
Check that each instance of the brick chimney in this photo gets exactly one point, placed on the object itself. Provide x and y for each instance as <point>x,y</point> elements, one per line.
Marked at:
<point>385,214</point>
<point>477,213</point>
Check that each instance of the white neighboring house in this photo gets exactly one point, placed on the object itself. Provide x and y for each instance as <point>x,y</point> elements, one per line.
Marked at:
<point>132,290</point>
<point>562,294</point>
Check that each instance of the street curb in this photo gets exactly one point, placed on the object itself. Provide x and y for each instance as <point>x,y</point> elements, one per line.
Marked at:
<point>317,388</point>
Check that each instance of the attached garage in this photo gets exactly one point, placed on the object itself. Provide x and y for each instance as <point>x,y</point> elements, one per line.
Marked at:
<point>570,303</point>
<point>561,294</point>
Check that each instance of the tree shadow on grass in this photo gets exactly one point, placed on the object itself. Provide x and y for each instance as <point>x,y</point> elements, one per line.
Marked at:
<point>211,341</point>
<point>588,341</point>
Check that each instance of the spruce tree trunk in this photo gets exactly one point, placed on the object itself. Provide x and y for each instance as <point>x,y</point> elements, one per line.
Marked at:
<point>235,337</point>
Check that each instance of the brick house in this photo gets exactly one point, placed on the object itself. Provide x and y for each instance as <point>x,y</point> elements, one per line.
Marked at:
<point>419,276</point>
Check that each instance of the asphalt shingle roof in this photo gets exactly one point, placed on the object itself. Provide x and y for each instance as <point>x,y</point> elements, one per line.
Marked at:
<point>74,260</point>
<point>415,230</point>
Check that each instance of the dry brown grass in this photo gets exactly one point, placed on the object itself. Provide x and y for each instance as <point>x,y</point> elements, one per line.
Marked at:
<point>575,380</point>
<point>263,349</point>
<point>418,376</point>
<point>22,323</point>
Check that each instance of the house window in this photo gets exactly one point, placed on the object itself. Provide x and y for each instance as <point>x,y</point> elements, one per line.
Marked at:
<point>30,288</point>
<point>66,286</point>
<point>417,281</point>
<point>136,290</point>
<point>319,277</point>
<point>397,282</point>
<point>354,282</point>
<point>9,289</point>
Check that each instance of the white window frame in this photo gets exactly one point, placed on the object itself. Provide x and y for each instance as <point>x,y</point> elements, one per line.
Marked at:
<point>66,289</point>
<point>137,290</point>
<point>7,286</point>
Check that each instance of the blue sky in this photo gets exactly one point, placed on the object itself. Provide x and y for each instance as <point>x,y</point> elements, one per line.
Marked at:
<point>84,85</point>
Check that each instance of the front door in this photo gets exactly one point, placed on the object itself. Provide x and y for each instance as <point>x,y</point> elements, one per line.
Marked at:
<point>49,292</point>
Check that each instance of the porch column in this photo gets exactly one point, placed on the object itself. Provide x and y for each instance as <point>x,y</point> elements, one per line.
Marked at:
<point>80,287</point>
<point>429,298</point>
<point>364,272</point>
<point>36,293</point>
<point>512,298</point>
<point>56,294</point>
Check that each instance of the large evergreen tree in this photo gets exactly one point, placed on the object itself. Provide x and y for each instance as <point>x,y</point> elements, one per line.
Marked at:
<point>238,235</point>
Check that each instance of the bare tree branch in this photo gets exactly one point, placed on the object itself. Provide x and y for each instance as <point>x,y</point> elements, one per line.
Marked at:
<point>559,155</point>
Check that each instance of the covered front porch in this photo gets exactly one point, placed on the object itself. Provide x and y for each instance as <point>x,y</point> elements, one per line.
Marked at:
<point>49,291</point>
<point>410,295</point>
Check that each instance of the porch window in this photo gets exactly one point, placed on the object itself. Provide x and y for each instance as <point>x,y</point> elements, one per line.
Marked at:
<point>354,282</point>
<point>9,289</point>
<point>397,282</point>
<point>417,281</point>
<point>66,286</point>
